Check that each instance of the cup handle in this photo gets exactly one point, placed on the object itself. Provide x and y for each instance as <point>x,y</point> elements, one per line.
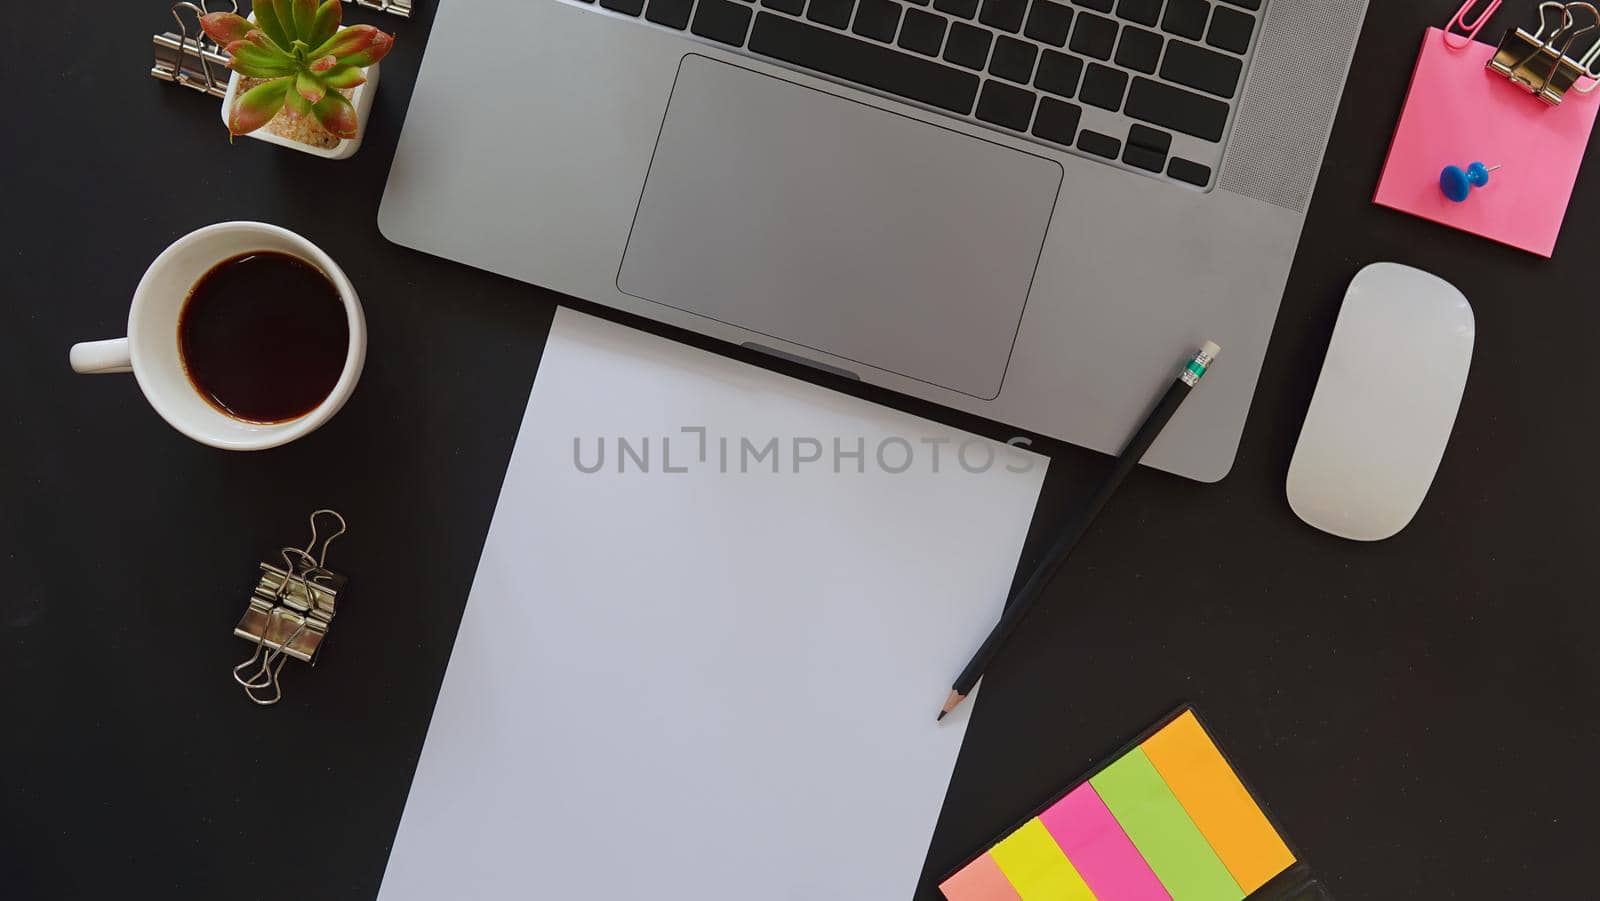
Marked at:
<point>110,355</point>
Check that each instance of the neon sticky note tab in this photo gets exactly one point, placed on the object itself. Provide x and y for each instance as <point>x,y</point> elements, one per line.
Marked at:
<point>1103,854</point>
<point>1458,113</point>
<point>1162,831</point>
<point>1037,868</point>
<point>1217,802</point>
<point>980,880</point>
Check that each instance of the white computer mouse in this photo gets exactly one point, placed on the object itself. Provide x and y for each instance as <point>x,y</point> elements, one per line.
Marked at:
<point>1384,405</point>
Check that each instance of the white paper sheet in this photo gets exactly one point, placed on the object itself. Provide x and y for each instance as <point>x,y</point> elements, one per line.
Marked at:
<point>717,684</point>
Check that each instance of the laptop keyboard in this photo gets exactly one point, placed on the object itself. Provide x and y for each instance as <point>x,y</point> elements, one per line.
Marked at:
<point>1142,84</point>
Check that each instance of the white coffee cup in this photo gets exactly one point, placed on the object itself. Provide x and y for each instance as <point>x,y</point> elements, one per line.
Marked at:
<point>151,350</point>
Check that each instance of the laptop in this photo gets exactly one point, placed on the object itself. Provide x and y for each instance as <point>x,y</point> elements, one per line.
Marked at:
<point>1029,210</point>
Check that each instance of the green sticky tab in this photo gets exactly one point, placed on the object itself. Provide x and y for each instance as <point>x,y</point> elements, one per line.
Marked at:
<point>1160,828</point>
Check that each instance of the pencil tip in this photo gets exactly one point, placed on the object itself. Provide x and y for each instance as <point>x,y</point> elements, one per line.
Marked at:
<point>940,717</point>
<point>950,703</point>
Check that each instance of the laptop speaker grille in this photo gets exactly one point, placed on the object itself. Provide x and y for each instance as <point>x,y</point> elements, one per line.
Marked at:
<point>1291,99</point>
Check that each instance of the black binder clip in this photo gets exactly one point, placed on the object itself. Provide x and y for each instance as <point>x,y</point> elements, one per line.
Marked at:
<point>289,613</point>
<point>1542,63</point>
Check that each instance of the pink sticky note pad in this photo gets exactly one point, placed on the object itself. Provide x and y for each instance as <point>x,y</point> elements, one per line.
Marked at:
<point>1459,112</point>
<point>1103,854</point>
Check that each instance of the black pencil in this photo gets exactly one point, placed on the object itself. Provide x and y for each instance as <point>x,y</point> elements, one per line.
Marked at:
<point>1028,595</point>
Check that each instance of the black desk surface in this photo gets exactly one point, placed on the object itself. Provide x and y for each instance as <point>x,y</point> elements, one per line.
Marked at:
<point>1418,713</point>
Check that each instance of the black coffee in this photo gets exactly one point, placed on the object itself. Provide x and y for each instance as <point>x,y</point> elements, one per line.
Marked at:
<point>264,336</point>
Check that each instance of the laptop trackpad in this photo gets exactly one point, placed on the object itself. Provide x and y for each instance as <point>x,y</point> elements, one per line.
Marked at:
<point>840,227</point>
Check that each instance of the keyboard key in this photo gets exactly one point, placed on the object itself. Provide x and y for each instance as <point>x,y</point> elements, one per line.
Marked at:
<point>1049,23</point>
<point>1139,49</point>
<point>1005,15</point>
<point>831,12</point>
<point>1058,73</point>
<point>1103,86</point>
<point>922,32</point>
<point>1057,121</point>
<point>1144,158</point>
<point>967,46</point>
<point>1005,105</point>
<point>1198,67</point>
<point>1147,148</point>
<point>1193,173</point>
<point>722,20</point>
<point>1094,36</point>
<point>1230,30</point>
<point>1177,109</point>
<point>966,9</point>
<point>877,19</point>
<point>1101,5</point>
<point>793,7</point>
<point>1145,136</point>
<point>1098,144</point>
<point>1145,12</point>
<point>671,13</point>
<point>869,64</point>
<point>628,7</point>
<point>920,2</point>
<point>1186,18</point>
<point>1247,4</point>
<point>1012,60</point>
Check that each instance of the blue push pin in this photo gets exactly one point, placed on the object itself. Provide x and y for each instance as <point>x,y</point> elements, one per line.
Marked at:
<point>1457,183</point>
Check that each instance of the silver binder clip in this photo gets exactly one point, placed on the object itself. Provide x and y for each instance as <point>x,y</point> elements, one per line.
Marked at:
<point>189,58</point>
<point>289,613</point>
<point>192,59</point>
<point>401,8</point>
<point>1542,63</point>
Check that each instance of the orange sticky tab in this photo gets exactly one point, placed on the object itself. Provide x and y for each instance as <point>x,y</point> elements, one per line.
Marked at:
<point>1217,802</point>
<point>980,880</point>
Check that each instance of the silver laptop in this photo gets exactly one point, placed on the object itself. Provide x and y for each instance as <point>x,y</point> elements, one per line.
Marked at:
<point>1030,210</point>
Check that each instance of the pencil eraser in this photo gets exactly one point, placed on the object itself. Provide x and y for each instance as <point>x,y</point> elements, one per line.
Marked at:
<point>1210,349</point>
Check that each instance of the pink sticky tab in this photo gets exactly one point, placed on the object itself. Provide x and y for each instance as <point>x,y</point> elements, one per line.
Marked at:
<point>1103,854</point>
<point>980,880</point>
<point>1459,112</point>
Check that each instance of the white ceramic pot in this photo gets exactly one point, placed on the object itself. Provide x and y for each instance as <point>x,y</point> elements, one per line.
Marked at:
<point>361,99</point>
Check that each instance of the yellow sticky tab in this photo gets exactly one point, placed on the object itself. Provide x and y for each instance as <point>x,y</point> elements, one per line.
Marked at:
<point>1211,793</point>
<point>1037,868</point>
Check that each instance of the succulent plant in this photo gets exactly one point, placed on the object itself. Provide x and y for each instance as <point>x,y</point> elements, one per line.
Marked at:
<point>304,57</point>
